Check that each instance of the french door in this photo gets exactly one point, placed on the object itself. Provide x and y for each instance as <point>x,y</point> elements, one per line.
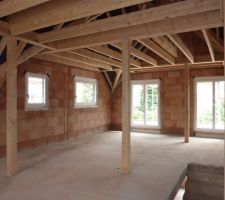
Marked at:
<point>145,106</point>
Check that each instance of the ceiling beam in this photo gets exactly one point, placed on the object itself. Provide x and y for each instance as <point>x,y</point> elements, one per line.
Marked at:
<point>56,12</point>
<point>65,61</point>
<point>209,44</point>
<point>98,57</point>
<point>114,54</point>
<point>186,23</point>
<point>166,44</point>
<point>138,54</point>
<point>85,60</point>
<point>157,50</point>
<point>8,7</point>
<point>182,46</point>
<point>131,19</point>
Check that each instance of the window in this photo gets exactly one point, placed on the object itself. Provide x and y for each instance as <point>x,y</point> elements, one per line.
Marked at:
<point>145,104</point>
<point>36,91</point>
<point>209,104</point>
<point>85,92</point>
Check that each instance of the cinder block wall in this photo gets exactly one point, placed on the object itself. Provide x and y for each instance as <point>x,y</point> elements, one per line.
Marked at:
<point>171,98</point>
<point>61,120</point>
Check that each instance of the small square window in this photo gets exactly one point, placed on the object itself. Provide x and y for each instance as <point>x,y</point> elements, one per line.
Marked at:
<point>36,92</point>
<point>85,90</point>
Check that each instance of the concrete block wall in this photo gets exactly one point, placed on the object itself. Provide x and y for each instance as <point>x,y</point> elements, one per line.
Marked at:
<point>61,120</point>
<point>172,108</point>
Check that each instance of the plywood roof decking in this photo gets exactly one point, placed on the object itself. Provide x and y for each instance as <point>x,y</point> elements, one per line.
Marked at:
<point>166,33</point>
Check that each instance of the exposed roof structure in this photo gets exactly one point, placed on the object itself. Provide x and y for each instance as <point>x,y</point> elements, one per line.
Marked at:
<point>165,33</point>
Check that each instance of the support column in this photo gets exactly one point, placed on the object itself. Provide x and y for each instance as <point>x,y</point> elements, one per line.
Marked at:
<point>187,104</point>
<point>11,107</point>
<point>126,99</point>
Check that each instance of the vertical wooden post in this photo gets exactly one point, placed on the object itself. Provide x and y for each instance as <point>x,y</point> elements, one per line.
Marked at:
<point>11,106</point>
<point>126,45</point>
<point>187,104</point>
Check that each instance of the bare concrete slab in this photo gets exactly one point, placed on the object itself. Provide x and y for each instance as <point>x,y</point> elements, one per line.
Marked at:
<point>89,169</point>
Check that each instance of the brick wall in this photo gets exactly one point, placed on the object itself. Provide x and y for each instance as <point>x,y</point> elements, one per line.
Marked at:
<point>171,98</point>
<point>61,120</point>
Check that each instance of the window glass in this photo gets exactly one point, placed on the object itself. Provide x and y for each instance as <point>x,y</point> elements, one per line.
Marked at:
<point>85,92</point>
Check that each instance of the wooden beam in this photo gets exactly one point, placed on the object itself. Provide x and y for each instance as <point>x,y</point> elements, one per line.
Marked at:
<point>126,46</point>
<point>98,57</point>
<point>180,24</point>
<point>4,28</point>
<point>137,53</point>
<point>56,12</point>
<point>11,6</point>
<point>85,60</point>
<point>113,54</point>
<point>158,50</point>
<point>118,74</point>
<point>11,107</point>
<point>136,18</point>
<point>21,47</point>
<point>108,78</point>
<point>183,47</point>
<point>65,61</point>
<point>166,44</point>
<point>209,44</point>
<point>187,104</point>
<point>3,44</point>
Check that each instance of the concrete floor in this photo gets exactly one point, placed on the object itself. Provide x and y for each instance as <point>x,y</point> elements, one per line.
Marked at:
<point>89,169</point>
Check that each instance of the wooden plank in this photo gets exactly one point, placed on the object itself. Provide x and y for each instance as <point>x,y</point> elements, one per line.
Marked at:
<point>117,78</point>
<point>56,12</point>
<point>3,44</point>
<point>113,54</point>
<point>11,107</point>
<point>140,17</point>
<point>187,104</point>
<point>108,78</point>
<point>98,57</point>
<point>126,47</point>
<point>183,47</point>
<point>65,61</point>
<point>166,44</point>
<point>137,53</point>
<point>4,28</point>
<point>21,47</point>
<point>209,44</point>
<point>182,24</point>
<point>11,6</point>
<point>85,60</point>
<point>158,50</point>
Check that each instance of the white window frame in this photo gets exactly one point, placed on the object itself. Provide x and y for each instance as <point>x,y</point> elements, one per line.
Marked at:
<point>206,79</point>
<point>34,106</point>
<point>146,82</point>
<point>86,80</point>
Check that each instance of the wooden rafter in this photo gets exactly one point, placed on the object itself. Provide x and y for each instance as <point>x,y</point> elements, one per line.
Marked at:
<point>113,54</point>
<point>131,19</point>
<point>158,50</point>
<point>82,59</point>
<point>166,44</point>
<point>65,61</point>
<point>62,11</point>
<point>98,57</point>
<point>137,53</point>
<point>108,78</point>
<point>182,46</point>
<point>209,44</point>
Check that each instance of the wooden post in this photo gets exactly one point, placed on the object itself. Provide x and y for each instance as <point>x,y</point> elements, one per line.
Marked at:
<point>11,106</point>
<point>187,104</point>
<point>126,45</point>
